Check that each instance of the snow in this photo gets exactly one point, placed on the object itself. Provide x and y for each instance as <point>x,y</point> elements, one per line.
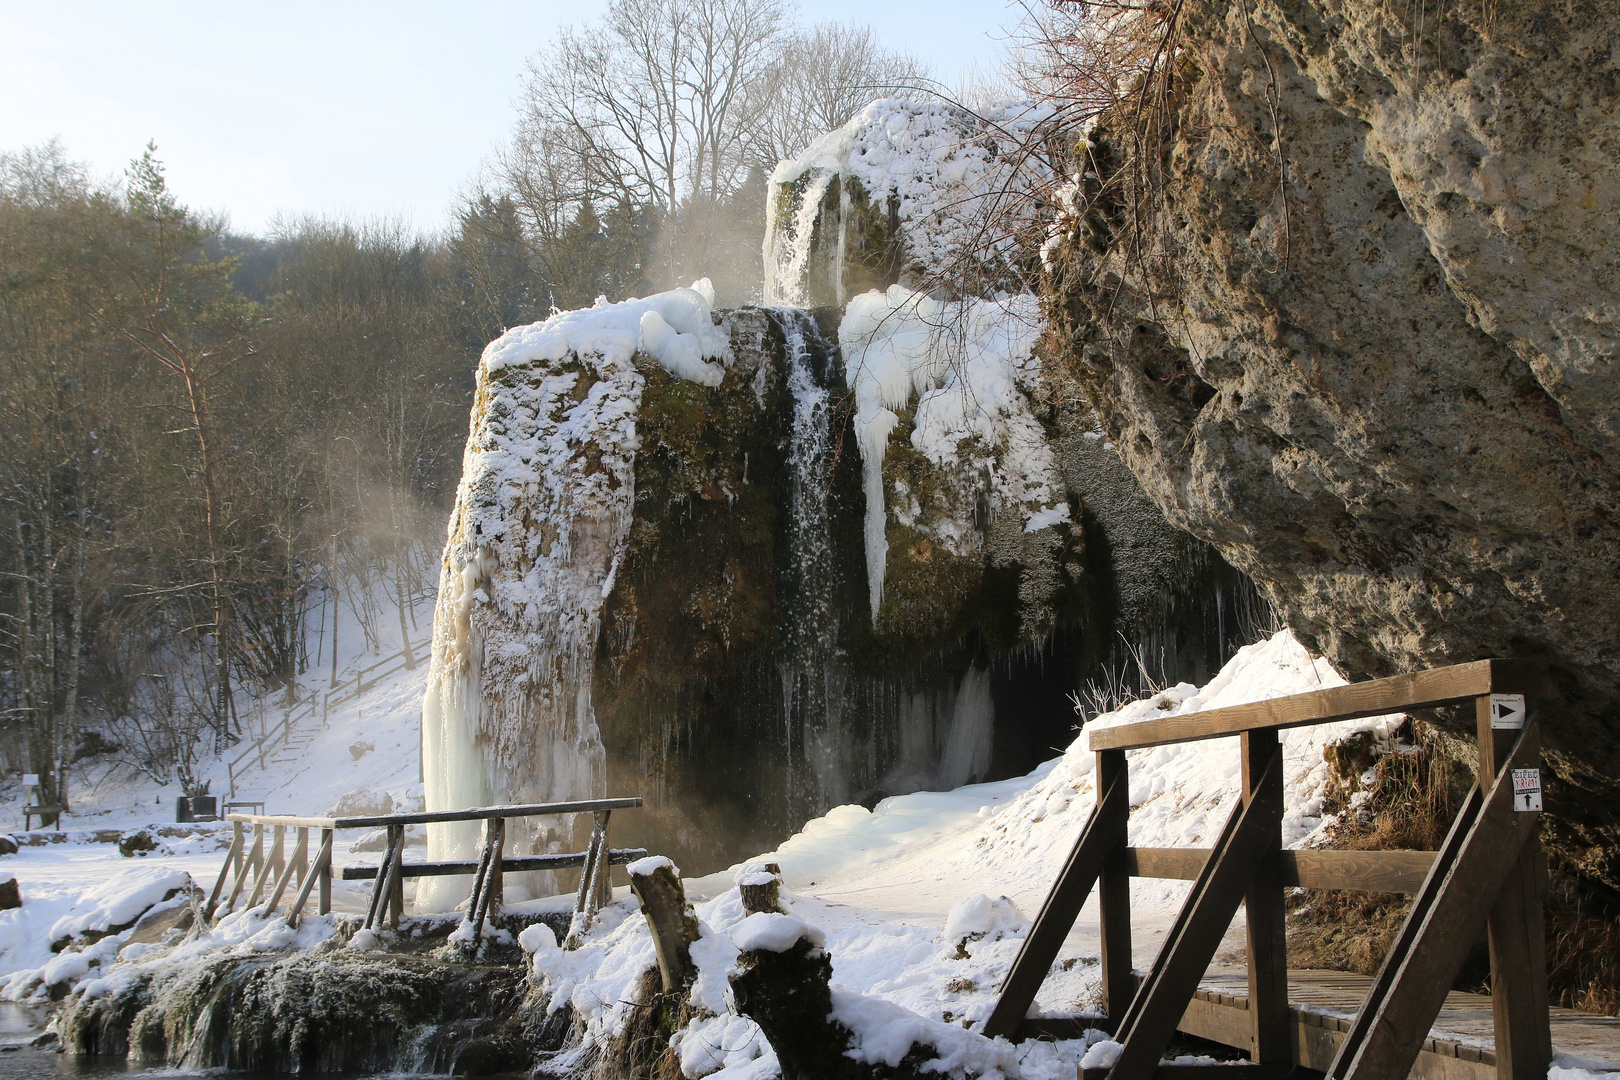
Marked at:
<point>920,901</point>
<point>120,899</point>
<point>650,865</point>
<point>71,882</point>
<point>971,369</point>
<point>769,931</point>
<point>948,171</point>
<point>677,328</point>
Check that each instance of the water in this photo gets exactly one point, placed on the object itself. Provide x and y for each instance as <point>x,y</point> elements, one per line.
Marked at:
<point>813,670</point>
<point>21,1024</point>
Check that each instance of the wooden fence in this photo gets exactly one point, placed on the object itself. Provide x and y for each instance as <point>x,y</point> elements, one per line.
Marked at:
<point>268,875</point>
<point>1488,878</point>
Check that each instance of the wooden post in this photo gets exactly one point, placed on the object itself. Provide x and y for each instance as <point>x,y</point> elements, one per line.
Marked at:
<point>321,871</point>
<point>604,874</point>
<point>382,892</point>
<point>1267,931</point>
<point>1114,895</point>
<point>324,872</point>
<point>396,892</point>
<point>1516,926</point>
<point>674,926</point>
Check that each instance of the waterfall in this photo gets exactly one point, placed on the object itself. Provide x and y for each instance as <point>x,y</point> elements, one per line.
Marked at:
<point>812,666</point>
<point>788,251</point>
<point>966,757</point>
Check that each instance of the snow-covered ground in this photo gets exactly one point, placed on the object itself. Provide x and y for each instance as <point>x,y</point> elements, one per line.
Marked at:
<point>366,757</point>
<point>922,902</point>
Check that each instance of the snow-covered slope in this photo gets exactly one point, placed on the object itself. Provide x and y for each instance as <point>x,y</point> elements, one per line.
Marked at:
<point>922,899</point>
<point>366,758</point>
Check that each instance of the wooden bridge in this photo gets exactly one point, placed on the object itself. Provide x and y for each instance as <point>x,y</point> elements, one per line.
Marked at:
<point>266,875</point>
<point>1488,879</point>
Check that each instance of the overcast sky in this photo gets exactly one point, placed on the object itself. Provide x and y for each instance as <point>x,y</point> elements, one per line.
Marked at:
<point>334,108</point>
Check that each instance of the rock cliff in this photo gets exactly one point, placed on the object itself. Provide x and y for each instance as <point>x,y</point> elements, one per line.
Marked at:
<point>1348,302</point>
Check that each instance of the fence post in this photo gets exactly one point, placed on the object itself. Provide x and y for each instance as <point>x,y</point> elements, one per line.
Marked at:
<point>1264,915</point>
<point>325,871</point>
<point>1114,895</point>
<point>1517,922</point>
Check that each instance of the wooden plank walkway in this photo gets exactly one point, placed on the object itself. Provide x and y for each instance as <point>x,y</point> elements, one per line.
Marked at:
<point>1323,1004</point>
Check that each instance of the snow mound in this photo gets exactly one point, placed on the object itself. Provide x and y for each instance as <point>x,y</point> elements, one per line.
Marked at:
<point>942,167</point>
<point>120,900</point>
<point>676,328</point>
<point>768,931</point>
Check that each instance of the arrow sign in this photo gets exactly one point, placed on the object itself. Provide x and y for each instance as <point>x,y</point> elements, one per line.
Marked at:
<point>1507,712</point>
<point>1527,789</point>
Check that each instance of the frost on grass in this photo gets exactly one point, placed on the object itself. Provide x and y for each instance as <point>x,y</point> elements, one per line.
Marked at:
<point>542,515</point>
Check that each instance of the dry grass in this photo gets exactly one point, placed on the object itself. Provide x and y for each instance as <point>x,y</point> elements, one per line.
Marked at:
<point>1413,795</point>
<point>1414,790</point>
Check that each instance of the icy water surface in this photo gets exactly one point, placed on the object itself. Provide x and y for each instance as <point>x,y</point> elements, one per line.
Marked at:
<point>20,1024</point>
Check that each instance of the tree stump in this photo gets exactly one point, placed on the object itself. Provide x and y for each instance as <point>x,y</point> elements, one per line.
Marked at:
<point>761,886</point>
<point>657,887</point>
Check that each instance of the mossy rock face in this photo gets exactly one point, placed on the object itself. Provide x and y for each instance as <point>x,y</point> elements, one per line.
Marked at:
<point>324,1010</point>
<point>710,700</point>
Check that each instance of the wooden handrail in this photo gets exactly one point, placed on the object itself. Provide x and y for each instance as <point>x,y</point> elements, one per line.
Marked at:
<point>1314,868</point>
<point>1488,876</point>
<point>425,817</point>
<point>1398,693</point>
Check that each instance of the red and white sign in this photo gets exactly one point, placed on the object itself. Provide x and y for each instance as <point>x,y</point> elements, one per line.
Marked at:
<point>1527,789</point>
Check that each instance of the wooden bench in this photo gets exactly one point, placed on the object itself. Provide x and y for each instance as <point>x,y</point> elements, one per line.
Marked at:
<point>43,811</point>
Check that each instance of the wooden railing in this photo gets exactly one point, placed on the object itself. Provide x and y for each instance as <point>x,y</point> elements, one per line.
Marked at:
<point>1486,878</point>
<point>346,691</point>
<point>274,871</point>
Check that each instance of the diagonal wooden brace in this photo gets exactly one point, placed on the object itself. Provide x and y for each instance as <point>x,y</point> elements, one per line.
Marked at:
<point>1248,838</point>
<point>1446,919</point>
<point>1103,835</point>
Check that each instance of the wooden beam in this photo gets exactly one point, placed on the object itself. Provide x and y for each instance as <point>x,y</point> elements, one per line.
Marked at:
<point>1104,832</point>
<point>510,865</point>
<point>1315,868</point>
<point>1399,693</point>
<point>476,813</point>
<point>1445,922</point>
<point>1114,902</point>
<point>1516,926</point>
<point>1250,833</point>
<point>1264,917</point>
<point>232,858</point>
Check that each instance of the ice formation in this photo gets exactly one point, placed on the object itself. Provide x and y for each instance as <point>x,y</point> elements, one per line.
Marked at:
<point>945,171</point>
<point>542,514</point>
<point>970,368</point>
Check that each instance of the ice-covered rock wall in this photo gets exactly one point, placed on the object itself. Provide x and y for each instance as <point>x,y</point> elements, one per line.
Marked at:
<point>754,564</point>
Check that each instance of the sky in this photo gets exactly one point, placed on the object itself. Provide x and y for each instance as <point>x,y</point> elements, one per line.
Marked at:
<point>336,108</point>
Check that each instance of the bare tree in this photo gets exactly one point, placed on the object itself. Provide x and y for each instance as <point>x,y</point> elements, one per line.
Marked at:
<point>825,75</point>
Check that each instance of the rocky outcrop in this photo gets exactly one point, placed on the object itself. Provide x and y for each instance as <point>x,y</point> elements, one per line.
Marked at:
<point>1359,333</point>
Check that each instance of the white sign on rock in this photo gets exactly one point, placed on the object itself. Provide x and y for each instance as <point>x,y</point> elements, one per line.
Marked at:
<point>1527,789</point>
<point>1507,712</point>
